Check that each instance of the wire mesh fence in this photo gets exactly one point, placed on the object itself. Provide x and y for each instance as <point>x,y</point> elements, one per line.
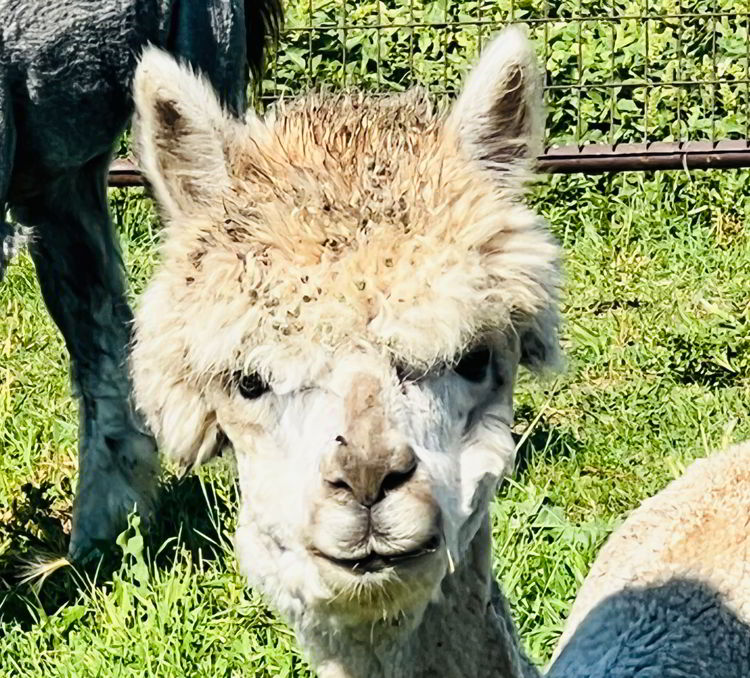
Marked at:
<point>629,84</point>
<point>616,71</point>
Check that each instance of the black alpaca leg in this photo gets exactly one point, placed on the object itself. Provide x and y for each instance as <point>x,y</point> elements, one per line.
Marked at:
<point>82,279</point>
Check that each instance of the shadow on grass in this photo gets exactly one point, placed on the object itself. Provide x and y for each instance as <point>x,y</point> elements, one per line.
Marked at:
<point>191,516</point>
<point>545,441</point>
<point>35,524</point>
<point>198,512</point>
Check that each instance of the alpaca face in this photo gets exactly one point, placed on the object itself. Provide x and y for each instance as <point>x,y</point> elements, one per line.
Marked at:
<point>359,480</point>
<point>346,290</point>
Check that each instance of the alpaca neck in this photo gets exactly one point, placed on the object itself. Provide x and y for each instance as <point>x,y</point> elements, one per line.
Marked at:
<point>467,633</point>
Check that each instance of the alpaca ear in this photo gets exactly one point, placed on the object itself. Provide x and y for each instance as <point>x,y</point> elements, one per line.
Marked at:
<point>180,134</point>
<point>499,115</point>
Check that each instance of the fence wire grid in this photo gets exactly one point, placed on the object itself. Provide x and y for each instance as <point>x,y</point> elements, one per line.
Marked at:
<point>628,84</point>
<point>616,71</point>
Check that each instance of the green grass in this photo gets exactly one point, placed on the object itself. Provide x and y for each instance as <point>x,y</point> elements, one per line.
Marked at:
<point>657,315</point>
<point>656,335</point>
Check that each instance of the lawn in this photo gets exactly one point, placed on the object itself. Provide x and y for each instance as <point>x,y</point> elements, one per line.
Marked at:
<point>656,335</point>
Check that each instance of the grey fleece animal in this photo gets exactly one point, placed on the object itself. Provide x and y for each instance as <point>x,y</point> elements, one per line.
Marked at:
<point>679,629</point>
<point>65,74</point>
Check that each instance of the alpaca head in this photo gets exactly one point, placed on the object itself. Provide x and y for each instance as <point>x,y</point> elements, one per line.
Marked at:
<point>346,290</point>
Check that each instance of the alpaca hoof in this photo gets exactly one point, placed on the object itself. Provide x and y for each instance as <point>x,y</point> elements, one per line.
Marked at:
<point>109,493</point>
<point>84,550</point>
<point>95,531</point>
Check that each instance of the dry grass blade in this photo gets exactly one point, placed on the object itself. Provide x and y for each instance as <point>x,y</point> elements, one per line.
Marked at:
<point>36,569</point>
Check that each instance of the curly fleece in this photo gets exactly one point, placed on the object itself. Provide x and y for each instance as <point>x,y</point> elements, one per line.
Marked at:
<point>339,220</point>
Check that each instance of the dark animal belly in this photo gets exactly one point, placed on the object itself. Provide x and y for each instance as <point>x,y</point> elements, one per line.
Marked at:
<point>71,65</point>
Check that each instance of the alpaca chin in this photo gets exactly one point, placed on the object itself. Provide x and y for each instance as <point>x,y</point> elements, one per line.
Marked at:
<point>299,582</point>
<point>388,595</point>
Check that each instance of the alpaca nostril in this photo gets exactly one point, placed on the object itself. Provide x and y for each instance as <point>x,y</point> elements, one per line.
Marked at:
<point>399,477</point>
<point>396,479</point>
<point>365,474</point>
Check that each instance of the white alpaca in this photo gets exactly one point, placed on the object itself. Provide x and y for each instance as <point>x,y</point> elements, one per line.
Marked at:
<point>346,290</point>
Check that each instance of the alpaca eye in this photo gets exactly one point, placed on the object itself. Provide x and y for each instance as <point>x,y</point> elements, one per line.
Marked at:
<point>473,366</point>
<point>250,386</point>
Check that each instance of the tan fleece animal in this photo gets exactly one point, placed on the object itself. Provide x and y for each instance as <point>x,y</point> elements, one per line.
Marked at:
<point>347,287</point>
<point>669,593</point>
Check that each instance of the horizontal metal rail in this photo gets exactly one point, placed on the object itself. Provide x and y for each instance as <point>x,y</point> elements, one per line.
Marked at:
<point>588,159</point>
<point>688,155</point>
<point>123,173</point>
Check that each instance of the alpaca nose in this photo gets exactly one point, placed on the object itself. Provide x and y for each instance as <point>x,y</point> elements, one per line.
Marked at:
<point>368,475</point>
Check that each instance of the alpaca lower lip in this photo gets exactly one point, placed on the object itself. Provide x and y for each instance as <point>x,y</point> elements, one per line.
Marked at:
<point>375,562</point>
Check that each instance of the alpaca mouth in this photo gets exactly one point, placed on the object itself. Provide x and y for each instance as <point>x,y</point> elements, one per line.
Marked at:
<point>376,562</point>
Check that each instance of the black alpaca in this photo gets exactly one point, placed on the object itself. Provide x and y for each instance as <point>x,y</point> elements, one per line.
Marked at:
<point>65,75</point>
